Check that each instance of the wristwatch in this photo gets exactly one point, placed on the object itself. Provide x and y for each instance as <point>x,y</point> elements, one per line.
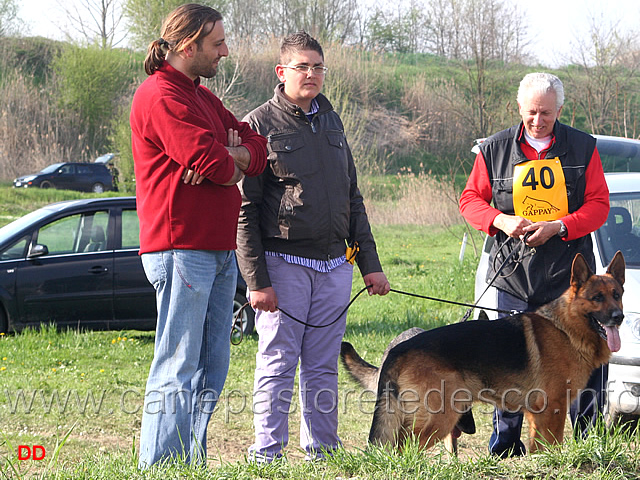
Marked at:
<point>563,229</point>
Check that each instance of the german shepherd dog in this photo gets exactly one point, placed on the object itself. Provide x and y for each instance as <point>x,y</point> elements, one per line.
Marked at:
<point>535,363</point>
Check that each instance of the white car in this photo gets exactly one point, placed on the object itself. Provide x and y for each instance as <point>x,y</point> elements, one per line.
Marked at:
<point>620,232</point>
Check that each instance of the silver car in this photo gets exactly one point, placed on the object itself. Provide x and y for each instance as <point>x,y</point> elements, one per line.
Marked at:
<point>620,232</point>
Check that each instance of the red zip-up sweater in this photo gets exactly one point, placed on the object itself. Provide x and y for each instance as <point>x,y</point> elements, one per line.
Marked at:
<point>176,124</point>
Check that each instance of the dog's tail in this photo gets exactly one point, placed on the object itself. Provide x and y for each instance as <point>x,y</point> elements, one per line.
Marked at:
<point>361,371</point>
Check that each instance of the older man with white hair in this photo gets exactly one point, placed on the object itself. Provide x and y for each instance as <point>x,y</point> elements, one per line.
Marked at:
<point>547,186</point>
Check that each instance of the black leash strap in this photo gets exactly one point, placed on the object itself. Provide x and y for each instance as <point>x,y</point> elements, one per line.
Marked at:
<point>495,275</point>
<point>237,325</point>
<point>452,302</point>
<point>334,321</point>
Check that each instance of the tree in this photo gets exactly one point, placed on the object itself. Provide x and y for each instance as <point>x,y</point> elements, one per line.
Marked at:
<point>92,81</point>
<point>9,21</point>
<point>482,35</point>
<point>454,29</point>
<point>398,30</point>
<point>604,84</point>
<point>144,19</point>
<point>120,141</point>
<point>97,21</point>
<point>326,20</point>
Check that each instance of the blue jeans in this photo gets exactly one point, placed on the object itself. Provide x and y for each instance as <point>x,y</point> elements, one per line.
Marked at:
<point>505,438</point>
<point>194,294</point>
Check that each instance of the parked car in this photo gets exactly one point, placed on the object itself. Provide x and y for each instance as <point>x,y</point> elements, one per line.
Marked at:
<point>620,232</point>
<point>76,264</point>
<point>86,177</point>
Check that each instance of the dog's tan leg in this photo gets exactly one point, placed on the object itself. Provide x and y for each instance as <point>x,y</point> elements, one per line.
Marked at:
<point>546,428</point>
<point>451,444</point>
<point>438,428</point>
<point>386,427</point>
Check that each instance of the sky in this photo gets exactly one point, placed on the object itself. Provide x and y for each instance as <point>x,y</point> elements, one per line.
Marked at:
<point>555,26</point>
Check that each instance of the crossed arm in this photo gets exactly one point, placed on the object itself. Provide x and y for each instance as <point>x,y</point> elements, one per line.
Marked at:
<point>241,158</point>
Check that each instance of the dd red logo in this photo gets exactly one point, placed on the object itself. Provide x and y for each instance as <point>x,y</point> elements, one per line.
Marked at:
<point>35,452</point>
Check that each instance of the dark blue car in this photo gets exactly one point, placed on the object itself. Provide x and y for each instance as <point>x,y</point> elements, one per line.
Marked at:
<point>85,177</point>
<point>76,264</point>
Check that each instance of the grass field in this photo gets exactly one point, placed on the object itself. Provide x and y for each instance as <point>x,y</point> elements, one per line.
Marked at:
<point>79,394</point>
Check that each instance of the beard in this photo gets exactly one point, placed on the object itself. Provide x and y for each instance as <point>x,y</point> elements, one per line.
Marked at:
<point>205,69</point>
<point>210,72</point>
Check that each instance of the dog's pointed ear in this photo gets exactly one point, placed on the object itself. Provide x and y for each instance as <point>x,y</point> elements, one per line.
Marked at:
<point>580,271</point>
<point>617,267</point>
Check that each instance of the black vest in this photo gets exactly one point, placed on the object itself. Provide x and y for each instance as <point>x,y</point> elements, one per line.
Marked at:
<point>538,277</point>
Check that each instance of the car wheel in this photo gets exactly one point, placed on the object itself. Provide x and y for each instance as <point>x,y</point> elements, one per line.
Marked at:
<point>97,188</point>
<point>247,317</point>
<point>46,184</point>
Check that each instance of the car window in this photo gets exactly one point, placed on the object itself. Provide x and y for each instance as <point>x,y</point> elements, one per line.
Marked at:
<point>66,170</point>
<point>130,229</point>
<point>15,250</point>
<point>78,233</point>
<point>51,168</point>
<point>619,155</point>
<point>621,231</point>
<point>83,170</point>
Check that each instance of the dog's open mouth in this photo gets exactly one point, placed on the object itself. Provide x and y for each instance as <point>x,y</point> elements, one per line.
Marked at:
<point>609,333</point>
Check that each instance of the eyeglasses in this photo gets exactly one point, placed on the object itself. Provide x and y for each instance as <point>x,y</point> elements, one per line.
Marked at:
<point>306,70</point>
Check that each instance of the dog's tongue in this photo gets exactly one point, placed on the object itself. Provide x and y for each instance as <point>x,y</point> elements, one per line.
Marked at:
<point>613,338</point>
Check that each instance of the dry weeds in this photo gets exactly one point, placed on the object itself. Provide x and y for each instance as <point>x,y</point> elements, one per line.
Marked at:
<point>419,199</point>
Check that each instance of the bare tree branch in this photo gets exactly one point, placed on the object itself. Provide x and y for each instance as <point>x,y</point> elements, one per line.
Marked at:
<point>96,21</point>
<point>608,65</point>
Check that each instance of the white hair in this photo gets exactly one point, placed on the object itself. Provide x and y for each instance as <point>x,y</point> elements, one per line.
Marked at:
<point>541,83</point>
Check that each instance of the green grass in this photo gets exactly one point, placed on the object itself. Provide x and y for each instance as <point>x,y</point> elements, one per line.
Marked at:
<point>79,393</point>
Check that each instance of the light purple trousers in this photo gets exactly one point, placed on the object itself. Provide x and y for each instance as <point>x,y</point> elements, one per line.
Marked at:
<point>315,298</point>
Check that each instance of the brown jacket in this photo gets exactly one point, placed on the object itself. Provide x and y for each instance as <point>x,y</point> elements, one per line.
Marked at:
<point>307,202</point>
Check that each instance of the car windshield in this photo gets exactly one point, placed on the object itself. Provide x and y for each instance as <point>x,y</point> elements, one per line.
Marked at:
<point>51,168</point>
<point>622,229</point>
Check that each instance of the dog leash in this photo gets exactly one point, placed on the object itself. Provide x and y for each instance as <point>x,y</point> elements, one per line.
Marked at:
<point>523,244</point>
<point>237,325</point>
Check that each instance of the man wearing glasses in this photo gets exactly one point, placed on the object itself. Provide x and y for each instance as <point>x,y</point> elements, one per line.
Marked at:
<point>296,221</point>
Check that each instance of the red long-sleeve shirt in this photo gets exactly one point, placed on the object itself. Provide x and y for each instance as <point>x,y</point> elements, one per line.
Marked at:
<point>476,197</point>
<point>178,124</point>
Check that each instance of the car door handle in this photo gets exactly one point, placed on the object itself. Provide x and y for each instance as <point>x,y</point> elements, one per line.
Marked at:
<point>98,269</point>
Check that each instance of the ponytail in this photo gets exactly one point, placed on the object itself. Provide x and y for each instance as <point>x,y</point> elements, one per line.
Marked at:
<point>156,53</point>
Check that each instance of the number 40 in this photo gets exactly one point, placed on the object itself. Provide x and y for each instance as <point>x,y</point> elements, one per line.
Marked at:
<point>547,180</point>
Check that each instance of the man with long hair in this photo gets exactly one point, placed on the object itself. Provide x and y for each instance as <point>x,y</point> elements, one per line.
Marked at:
<point>189,153</point>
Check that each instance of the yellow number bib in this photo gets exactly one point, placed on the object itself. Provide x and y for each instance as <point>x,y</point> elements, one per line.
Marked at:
<point>539,190</point>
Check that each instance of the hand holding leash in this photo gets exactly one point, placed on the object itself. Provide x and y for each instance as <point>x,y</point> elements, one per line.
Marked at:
<point>264,299</point>
<point>377,283</point>
<point>512,225</point>
<point>539,233</point>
